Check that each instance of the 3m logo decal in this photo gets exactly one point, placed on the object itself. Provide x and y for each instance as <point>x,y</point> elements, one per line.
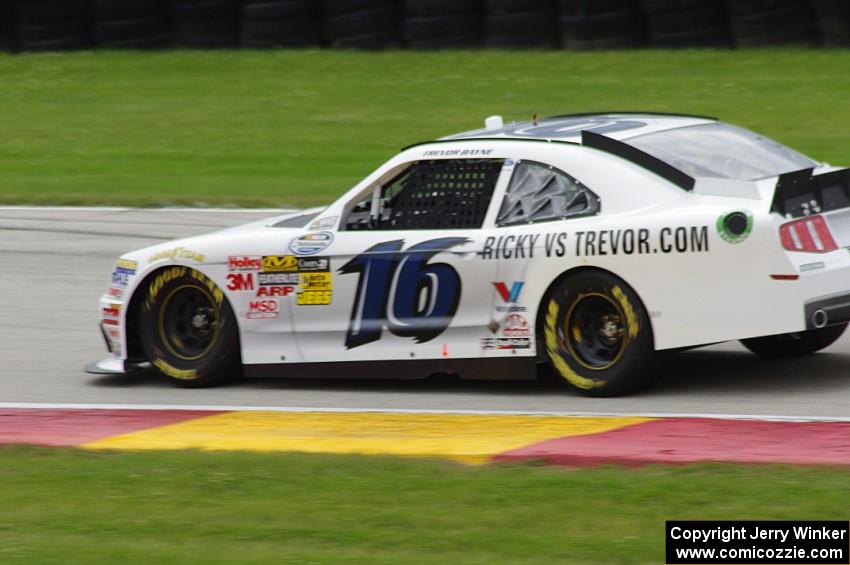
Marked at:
<point>280,263</point>
<point>240,281</point>
<point>511,295</point>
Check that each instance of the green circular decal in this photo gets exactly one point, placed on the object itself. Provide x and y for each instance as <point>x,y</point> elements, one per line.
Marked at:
<point>735,226</point>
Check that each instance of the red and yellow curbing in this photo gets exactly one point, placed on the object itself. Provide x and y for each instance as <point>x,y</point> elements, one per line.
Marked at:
<point>470,438</point>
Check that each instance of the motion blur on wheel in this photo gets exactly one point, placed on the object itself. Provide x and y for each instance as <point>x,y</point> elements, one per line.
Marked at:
<point>487,254</point>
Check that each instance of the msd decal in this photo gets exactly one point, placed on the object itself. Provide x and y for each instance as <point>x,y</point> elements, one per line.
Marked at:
<point>262,309</point>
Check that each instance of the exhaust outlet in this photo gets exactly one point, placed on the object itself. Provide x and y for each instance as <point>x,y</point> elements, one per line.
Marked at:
<point>819,318</point>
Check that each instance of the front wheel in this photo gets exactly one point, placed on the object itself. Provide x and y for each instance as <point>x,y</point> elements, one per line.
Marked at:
<point>598,336</point>
<point>794,344</point>
<point>188,329</point>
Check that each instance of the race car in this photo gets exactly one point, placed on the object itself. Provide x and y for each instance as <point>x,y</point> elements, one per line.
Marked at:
<point>588,243</point>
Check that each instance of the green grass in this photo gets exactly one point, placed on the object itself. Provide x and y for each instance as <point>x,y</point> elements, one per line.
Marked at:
<point>299,128</point>
<point>69,506</point>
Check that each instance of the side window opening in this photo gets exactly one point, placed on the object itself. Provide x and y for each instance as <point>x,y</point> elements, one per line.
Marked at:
<point>539,193</point>
<point>430,194</point>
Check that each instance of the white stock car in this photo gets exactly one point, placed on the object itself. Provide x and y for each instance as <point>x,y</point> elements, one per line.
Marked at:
<point>589,242</point>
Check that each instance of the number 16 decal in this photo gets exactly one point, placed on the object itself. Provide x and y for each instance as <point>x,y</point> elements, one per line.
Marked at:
<point>402,291</point>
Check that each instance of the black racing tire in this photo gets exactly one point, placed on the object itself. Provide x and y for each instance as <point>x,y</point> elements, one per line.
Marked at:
<point>597,335</point>
<point>795,344</point>
<point>188,330</point>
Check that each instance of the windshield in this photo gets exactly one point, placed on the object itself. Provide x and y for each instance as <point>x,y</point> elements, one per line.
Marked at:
<point>721,150</point>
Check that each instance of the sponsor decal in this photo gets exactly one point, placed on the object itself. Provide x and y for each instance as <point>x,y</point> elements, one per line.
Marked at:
<point>278,290</point>
<point>278,278</point>
<point>457,152</point>
<point>314,298</point>
<point>510,296</point>
<point>127,265</point>
<point>812,266</point>
<point>124,270</point>
<point>311,243</point>
<point>516,325</point>
<point>502,343</point>
<point>262,309</point>
<point>177,253</point>
<point>113,310</point>
<point>240,281</point>
<point>244,263</point>
<point>316,281</point>
<point>403,291</point>
<point>328,222</point>
<point>735,226</point>
<point>313,264</point>
<point>642,241</point>
<point>280,263</point>
<point>115,292</point>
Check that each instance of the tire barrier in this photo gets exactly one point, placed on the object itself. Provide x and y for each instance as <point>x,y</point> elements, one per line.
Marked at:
<point>833,22</point>
<point>133,24</point>
<point>56,25</point>
<point>762,23</point>
<point>205,24</point>
<point>362,24</point>
<point>53,25</point>
<point>686,23</point>
<point>281,23</point>
<point>443,24</point>
<point>510,24</point>
<point>601,24</point>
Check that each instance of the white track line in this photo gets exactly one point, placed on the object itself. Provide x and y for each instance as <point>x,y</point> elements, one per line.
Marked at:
<point>305,409</point>
<point>130,209</point>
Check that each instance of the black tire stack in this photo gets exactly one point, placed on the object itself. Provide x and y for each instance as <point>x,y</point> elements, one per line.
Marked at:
<point>442,24</point>
<point>7,25</point>
<point>686,23</point>
<point>762,23</point>
<point>205,24</point>
<point>130,24</point>
<point>53,25</point>
<point>833,17</point>
<point>512,24</point>
<point>362,24</point>
<point>601,24</point>
<point>281,23</point>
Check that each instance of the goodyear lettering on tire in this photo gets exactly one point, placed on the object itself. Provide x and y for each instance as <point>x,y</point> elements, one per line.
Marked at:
<point>172,371</point>
<point>551,336</point>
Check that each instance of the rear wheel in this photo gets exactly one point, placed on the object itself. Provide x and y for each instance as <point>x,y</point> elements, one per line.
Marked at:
<point>794,344</point>
<point>188,330</point>
<point>597,335</point>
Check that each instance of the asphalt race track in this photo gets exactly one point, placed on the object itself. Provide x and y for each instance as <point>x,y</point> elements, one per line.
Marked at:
<point>56,262</point>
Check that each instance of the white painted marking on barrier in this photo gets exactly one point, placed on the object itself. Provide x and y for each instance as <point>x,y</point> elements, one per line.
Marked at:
<point>304,409</point>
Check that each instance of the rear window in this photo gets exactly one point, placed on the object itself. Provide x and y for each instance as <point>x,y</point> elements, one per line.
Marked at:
<point>721,151</point>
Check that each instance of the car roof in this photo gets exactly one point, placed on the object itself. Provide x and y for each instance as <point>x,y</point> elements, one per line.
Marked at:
<point>616,125</point>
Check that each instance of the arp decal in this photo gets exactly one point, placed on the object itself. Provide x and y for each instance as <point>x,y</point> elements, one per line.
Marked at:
<point>403,291</point>
<point>311,243</point>
<point>735,227</point>
<point>283,290</point>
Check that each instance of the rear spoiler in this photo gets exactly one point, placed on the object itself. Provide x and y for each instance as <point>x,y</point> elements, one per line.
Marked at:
<point>799,193</point>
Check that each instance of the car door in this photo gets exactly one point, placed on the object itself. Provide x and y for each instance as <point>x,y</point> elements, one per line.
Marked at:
<point>404,276</point>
